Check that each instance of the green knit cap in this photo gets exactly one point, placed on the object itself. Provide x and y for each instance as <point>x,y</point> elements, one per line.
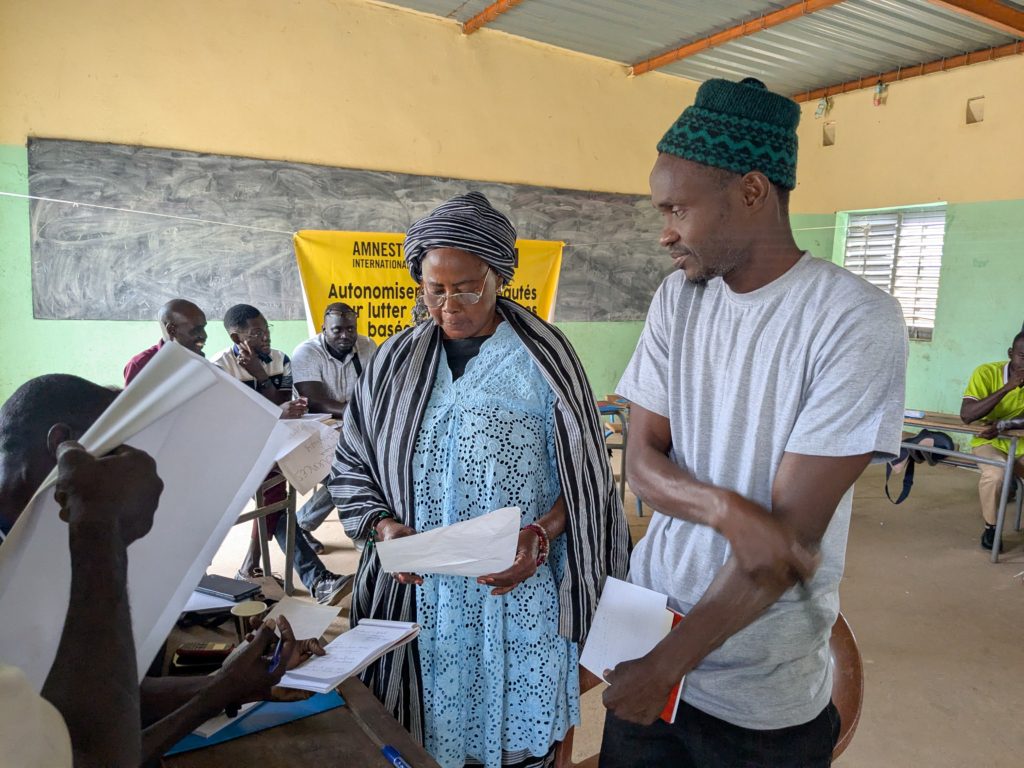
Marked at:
<point>740,127</point>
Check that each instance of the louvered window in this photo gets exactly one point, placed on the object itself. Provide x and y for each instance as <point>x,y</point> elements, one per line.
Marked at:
<point>900,251</point>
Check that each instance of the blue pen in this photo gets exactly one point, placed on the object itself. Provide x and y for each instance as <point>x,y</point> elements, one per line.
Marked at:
<point>275,660</point>
<point>392,756</point>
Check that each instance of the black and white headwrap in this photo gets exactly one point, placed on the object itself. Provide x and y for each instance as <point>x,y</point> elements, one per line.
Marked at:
<point>470,223</point>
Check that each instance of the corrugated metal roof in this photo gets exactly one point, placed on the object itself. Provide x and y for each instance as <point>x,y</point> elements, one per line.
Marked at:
<point>461,10</point>
<point>853,39</point>
<point>856,38</point>
<point>625,31</point>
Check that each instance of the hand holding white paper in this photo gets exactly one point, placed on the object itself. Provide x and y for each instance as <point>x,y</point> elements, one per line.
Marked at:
<point>308,620</point>
<point>213,440</point>
<point>477,547</point>
<point>629,621</point>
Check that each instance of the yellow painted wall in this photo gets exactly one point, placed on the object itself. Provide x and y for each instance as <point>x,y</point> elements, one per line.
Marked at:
<point>338,82</point>
<point>917,148</point>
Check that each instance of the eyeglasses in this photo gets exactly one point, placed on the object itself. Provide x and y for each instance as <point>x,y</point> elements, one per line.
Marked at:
<point>437,300</point>
<point>258,333</point>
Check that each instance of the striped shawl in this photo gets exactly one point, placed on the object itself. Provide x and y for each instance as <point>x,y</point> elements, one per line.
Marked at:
<point>372,473</point>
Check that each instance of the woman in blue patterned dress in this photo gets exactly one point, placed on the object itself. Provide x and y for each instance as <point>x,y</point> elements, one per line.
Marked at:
<point>484,407</point>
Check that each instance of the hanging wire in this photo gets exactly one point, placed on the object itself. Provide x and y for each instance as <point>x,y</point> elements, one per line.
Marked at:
<point>75,204</point>
<point>193,219</point>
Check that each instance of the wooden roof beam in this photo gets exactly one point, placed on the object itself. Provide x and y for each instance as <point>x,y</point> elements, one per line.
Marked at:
<point>1005,18</point>
<point>768,20</point>
<point>905,73</point>
<point>488,14</point>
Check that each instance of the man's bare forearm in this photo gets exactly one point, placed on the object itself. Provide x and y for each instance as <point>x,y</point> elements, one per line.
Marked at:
<point>973,410</point>
<point>805,496</point>
<point>166,732</point>
<point>671,490</point>
<point>96,655</point>
<point>319,400</point>
<point>160,696</point>
<point>325,405</point>
<point>732,602</point>
<point>273,394</point>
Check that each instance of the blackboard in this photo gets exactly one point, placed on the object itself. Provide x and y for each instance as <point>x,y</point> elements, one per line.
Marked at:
<point>93,263</point>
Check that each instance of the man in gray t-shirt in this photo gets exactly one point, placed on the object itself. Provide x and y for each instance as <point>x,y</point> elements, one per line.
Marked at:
<point>325,368</point>
<point>764,382</point>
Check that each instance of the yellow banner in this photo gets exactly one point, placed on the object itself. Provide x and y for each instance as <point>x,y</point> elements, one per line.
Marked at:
<point>367,271</point>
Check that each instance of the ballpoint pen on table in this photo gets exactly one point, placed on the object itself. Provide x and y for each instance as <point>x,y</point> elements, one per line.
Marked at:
<point>392,756</point>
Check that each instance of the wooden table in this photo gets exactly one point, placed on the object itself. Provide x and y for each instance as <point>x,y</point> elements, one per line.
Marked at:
<point>948,422</point>
<point>347,736</point>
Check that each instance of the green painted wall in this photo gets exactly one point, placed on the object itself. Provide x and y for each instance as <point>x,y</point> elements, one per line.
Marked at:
<point>979,308</point>
<point>815,232</point>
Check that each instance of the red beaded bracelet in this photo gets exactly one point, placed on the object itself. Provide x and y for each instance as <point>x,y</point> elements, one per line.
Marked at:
<point>544,543</point>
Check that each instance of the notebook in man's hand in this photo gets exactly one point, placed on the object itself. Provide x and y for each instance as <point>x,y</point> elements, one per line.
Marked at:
<point>629,622</point>
<point>349,654</point>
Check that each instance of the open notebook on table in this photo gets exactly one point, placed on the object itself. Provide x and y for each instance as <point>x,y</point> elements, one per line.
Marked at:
<point>349,654</point>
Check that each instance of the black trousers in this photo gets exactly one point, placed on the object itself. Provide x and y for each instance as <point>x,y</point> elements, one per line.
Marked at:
<point>698,740</point>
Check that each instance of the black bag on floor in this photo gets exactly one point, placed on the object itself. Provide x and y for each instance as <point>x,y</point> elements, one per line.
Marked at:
<point>911,457</point>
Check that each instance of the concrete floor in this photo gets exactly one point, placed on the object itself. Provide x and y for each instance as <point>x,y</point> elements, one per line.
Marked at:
<point>940,628</point>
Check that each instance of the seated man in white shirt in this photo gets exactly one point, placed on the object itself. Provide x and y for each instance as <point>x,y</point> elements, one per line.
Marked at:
<point>324,371</point>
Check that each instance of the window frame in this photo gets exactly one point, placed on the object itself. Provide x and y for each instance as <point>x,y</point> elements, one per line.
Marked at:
<point>916,331</point>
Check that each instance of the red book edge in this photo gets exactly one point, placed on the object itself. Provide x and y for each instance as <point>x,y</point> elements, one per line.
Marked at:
<point>668,714</point>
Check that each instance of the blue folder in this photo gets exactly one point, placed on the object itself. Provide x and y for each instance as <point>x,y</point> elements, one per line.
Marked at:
<point>269,714</point>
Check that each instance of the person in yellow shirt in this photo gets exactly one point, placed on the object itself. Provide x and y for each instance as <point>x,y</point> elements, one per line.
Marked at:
<point>995,394</point>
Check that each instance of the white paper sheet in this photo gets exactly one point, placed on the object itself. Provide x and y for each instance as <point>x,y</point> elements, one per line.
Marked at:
<point>309,453</point>
<point>220,722</point>
<point>308,620</point>
<point>483,545</point>
<point>213,440</point>
<point>628,623</point>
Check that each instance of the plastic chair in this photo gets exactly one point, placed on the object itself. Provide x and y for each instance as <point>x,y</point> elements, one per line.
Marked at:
<point>847,694</point>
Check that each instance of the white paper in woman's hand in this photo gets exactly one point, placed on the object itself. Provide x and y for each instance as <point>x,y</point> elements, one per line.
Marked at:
<point>485,544</point>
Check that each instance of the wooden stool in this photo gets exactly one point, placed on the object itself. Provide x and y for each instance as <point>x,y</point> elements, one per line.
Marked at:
<point>847,681</point>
